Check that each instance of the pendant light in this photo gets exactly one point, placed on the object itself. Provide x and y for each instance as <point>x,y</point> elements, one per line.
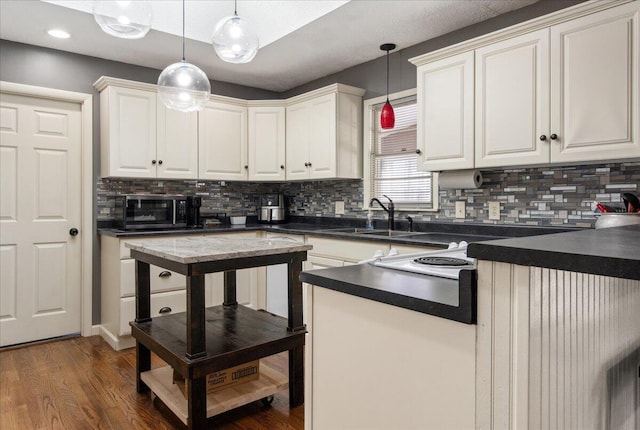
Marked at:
<point>124,19</point>
<point>183,86</point>
<point>233,39</point>
<point>387,116</point>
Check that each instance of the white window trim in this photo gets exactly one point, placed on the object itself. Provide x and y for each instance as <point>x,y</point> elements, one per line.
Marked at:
<point>368,139</point>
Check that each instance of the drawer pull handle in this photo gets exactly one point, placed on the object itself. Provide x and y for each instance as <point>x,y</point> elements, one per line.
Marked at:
<point>164,310</point>
<point>164,274</point>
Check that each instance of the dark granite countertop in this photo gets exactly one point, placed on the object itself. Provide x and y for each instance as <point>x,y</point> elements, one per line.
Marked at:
<point>428,234</point>
<point>611,252</point>
<point>441,297</point>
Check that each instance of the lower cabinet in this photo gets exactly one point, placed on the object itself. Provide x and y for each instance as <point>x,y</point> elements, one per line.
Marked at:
<point>168,294</point>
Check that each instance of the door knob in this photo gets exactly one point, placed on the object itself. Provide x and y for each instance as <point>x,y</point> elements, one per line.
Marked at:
<point>543,137</point>
<point>160,162</point>
<point>282,166</point>
<point>418,151</point>
<point>73,231</point>
<point>553,136</point>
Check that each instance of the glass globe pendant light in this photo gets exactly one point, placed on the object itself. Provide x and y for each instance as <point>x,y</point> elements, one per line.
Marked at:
<point>183,86</point>
<point>233,39</point>
<point>387,116</point>
<point>124,19</point>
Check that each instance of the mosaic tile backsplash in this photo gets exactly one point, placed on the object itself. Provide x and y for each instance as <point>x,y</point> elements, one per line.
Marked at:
<point>545,196</point>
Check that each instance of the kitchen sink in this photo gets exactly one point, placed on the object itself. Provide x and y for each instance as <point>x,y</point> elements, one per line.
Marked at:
<point>365,232</point>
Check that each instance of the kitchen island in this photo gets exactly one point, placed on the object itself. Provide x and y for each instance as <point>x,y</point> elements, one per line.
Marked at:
<point>556,345</point>
<point>202,341</point>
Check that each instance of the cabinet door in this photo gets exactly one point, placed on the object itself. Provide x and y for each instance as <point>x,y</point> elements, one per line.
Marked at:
<point>445,113</point>
<point>512,101</point>
<point>594,86</point>
<point>322,139</point>
<point>129,132</point>
<point>266,143</point>
<point>222,142</point>
<point>298,135</point>
<point>177,143</point>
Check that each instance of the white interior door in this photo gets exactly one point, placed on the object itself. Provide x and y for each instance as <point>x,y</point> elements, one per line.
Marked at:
<point>40,202</point>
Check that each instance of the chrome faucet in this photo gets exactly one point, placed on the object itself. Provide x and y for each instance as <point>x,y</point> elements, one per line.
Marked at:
<point>389,209</point>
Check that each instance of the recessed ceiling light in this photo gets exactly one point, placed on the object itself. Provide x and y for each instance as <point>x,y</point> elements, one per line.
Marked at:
<point>60,34</point>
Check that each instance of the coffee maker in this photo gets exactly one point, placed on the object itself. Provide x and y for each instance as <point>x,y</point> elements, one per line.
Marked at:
<point>193,212</point>
<point>272,209</point>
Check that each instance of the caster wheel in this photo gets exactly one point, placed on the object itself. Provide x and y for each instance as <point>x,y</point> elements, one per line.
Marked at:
<point>267,400</point>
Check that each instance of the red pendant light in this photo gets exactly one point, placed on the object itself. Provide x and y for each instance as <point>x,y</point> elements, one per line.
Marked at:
<point>387,116</point>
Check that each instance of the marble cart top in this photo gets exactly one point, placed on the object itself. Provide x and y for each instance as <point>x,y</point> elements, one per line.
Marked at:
<point>187,250</point>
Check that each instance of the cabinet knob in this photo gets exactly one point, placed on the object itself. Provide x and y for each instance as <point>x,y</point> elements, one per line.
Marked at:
<point>309,164</point>
<point>543,137</point>
<point>553,136</point>
<point>306,164</point>
<point>164,274</point>
<point>246,167</point>
<point>153,161</point>
<point>160,162</point>
<point>164,310</point>
<point>418,151</point>
<point>73,231</point>
<point>282,166</point>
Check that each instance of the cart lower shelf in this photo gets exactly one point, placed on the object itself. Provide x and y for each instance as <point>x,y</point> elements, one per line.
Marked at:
<point>160,381</point>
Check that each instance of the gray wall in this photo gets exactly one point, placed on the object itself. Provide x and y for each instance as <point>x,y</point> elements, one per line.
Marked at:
<point>45,67</point>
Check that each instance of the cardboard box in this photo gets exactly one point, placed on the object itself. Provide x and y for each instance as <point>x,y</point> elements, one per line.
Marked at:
<point>228,377</point>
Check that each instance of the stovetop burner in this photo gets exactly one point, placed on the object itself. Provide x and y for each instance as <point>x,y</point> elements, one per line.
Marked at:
<point>442,261</point>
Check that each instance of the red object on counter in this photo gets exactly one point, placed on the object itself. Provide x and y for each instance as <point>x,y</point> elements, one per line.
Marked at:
<point>601,208</point>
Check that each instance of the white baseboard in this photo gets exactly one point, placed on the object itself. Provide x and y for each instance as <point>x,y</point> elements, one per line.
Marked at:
<point>118,343</point>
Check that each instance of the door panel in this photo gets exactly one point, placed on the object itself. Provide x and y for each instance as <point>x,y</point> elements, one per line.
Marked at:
<point>594,86</point>
<point>297,138</point>
<point>40,283</point>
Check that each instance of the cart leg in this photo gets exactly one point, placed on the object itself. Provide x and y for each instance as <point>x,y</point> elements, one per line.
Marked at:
<point>197,404</point>
<point>196,345</point>
<point>296,376</point>
<point>230,289</point>
<point>143,363</point>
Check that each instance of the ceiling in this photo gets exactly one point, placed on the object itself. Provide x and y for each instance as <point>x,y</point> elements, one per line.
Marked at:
<point>300,40</point>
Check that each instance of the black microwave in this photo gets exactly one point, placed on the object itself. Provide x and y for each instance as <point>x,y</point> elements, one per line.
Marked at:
<point>148,212</point>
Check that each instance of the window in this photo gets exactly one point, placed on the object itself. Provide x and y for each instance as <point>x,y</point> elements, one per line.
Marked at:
<point>393,162</point>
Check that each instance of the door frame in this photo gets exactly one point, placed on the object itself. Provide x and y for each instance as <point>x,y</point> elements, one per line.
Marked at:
<point>86,194</point>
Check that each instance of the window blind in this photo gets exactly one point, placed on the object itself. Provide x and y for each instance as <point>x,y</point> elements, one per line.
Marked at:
<point>394,162</point>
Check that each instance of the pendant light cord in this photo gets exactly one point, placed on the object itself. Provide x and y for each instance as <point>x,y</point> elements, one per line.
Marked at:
<point>183,57</point>
<point>235,7</point>
<point>387,76</point>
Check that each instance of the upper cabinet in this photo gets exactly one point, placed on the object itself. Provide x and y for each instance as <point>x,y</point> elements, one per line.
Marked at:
<point>324,134</point>
<point>595,93</point>
<point>564,93</point>
<point>140,137</point>
<point>266,141</point>
<point>445,111</point>
<point>222,138</point>
<point>316,135</point>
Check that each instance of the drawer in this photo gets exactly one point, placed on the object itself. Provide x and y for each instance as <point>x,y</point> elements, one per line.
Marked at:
<point>346,250</point>
<point>161,279</point>
<point>176,300</point>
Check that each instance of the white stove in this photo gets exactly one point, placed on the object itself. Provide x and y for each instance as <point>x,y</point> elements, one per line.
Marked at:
<point>442,263</point>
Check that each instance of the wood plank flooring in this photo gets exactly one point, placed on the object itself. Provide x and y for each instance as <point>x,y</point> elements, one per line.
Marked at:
<point>81,383</point>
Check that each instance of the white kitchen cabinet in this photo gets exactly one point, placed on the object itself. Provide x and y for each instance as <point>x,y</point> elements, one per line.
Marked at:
<point>512,101</point>
<point>445,113</point>
<point>222,142</point>
<point>565,92</point>
<point>167,289</point>
<point>266,147</point>
<point>595,93</point>
<point>323,134</point>
<point>142,138</point>
<point>562,94</point>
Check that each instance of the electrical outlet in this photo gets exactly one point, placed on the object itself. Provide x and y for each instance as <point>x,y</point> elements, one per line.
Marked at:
<point>494,210</point>
<point>340,208</point>
<point>460,210</point>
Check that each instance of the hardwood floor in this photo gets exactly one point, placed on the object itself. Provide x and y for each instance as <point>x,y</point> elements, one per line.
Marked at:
<point>81,383</point>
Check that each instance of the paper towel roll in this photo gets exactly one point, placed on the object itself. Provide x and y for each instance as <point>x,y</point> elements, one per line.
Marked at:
<point>460,179</point>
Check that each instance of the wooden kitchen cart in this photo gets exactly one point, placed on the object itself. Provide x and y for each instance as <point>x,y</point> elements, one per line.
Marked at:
<point>205,340</point>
